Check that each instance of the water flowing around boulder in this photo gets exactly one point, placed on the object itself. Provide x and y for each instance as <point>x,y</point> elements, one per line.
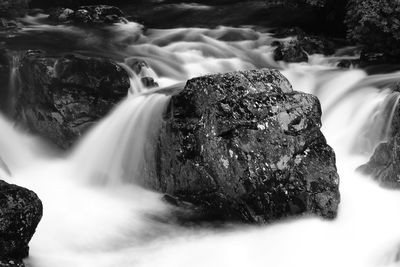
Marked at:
<point>96,213</point>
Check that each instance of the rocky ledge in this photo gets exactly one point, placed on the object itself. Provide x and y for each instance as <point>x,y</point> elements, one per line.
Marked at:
<point>20,213</point>
<point>244,146</point>
<point>60,97</point>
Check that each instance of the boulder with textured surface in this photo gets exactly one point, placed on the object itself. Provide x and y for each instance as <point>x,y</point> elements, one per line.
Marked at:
<point>60,97</point>
<point>20,213</point>
<point>244,146</point>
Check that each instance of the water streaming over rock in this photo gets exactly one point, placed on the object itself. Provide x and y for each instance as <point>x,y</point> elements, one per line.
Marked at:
<point>96,216</point>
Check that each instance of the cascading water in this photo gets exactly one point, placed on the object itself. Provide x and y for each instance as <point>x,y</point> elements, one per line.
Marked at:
<point>96,216</point>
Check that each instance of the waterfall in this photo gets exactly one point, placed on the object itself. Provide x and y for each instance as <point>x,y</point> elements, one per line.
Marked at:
<point>96,215</point>
<point>113,152</point>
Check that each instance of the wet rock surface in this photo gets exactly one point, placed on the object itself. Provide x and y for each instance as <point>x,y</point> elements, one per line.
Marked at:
<point>20,213</point>
<point>384,164</point>
<point>244,146</point>
<point>142,69</point>
<point>96,14</point>
<point>60,97</point>
<point>299,47</point>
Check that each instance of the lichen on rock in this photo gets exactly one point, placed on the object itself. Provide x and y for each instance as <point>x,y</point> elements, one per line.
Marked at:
<point>244,146</point>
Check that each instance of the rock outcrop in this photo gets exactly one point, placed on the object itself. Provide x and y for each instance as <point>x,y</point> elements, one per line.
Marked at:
<point>20,213</point>
<point>244,146</point>
<point>98,14</point>
<point>60,97</point>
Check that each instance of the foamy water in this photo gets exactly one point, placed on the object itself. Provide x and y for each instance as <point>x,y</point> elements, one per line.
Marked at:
<point>95,215</point>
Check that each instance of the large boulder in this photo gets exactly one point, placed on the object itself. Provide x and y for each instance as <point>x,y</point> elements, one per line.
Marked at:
<point>60,97</point>
<point>20,213</point>
<point>244,146</point>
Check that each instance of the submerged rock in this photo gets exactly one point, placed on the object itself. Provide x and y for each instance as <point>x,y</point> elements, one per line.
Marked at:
<point>244,146</point>
<point>142,69</point>
<point>60,97</point>
<point>20,213</point>
<point>96,14</point>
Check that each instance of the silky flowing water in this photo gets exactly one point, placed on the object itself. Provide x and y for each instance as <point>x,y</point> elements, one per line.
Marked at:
<point>96,215</point>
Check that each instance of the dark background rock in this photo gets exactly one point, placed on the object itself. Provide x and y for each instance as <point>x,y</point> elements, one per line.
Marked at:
<point>60,97</point>
<point>5,69</point>
<point>20,213</point>
<point>244,146</point>
<point>322,16</point>
<point>13,8</point>
<point>95,14</point>
<point>374,24</point>
<point>301,45</point>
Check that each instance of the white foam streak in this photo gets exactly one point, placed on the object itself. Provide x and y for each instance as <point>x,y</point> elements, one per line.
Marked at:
<point>113,151</point>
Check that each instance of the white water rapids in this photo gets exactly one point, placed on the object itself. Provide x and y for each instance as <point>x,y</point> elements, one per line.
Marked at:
<point>94,216</point>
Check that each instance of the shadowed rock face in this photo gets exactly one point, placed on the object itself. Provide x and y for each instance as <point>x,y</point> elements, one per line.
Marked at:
<point>20,213</point>
<point>244,146</point>
<point>59,98</point>
<point>384,164</point>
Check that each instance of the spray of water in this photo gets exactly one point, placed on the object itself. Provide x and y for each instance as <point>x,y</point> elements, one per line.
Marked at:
<point>96,216</point>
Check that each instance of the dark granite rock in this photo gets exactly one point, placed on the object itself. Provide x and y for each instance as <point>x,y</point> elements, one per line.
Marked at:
<point>98,14</point>
<point>20,213</point>
<point>60,97</point>
<point>244,146</point>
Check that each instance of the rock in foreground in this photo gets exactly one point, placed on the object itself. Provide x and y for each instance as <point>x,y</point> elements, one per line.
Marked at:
<point>20,213</point>
<point>244,146</point>
<point>60,97</point>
